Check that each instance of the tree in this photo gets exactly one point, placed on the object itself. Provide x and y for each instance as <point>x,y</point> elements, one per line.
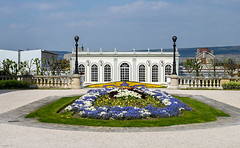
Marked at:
<point>193,65</point>
<point>230,66</point>
<point>37,63</point>
<point>8,67</point>
<point>29,65</point>
<point>57,66</point>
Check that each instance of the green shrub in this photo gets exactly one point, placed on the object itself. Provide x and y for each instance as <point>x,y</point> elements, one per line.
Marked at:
<point>13,84</point>
<point>231,85</point>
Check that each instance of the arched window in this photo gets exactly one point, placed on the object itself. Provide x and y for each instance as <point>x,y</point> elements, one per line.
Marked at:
<point>154,73</point>
<point>141,73</point>
<point>94,73</point>
<point>124,72</point>
<point>168,71</point>
<point>81,68</point>
<point>107,73</point>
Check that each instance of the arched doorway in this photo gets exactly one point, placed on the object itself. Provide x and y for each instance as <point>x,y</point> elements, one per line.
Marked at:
<point>124,72</point>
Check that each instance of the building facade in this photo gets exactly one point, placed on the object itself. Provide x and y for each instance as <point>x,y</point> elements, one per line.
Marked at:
<point>100,67</point>
<point>27,55</point>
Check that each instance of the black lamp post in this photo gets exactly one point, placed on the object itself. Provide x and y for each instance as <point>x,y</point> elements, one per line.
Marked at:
<point>76,38</point>
<point>174,38</point>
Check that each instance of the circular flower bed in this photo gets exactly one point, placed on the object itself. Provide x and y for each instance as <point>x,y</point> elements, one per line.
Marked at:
<point>85,105</point>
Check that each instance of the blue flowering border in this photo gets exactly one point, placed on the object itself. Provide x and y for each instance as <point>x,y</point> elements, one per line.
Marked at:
<point>84,106</point>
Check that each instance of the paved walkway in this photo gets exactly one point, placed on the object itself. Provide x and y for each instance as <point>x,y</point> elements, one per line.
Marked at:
<point>14,135</point>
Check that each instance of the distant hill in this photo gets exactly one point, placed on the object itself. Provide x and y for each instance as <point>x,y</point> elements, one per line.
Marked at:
<point>226,50</point>
<point>190,52</point>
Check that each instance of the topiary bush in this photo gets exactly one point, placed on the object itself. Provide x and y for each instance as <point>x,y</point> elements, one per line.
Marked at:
<point>13,84</point>
<point>231,85</point>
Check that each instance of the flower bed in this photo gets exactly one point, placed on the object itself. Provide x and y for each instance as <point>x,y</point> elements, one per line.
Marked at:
<point>125,83</point>
<point>85,105</point>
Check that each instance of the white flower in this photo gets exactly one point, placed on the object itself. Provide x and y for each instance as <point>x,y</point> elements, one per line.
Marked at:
<point>68,108</point>
<point>102,113</point>
<point>166,102</point>
<point>81,112</point>
<point>181,108</point>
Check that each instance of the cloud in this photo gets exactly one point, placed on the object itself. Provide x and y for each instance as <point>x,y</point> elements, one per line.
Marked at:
<point>5,10</point>
<point>44,6</point>
<point>138,6</point>
<point>17,26</point>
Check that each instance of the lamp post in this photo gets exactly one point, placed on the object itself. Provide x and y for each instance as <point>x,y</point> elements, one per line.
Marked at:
<point>174,38</point>
<point>76,38</point>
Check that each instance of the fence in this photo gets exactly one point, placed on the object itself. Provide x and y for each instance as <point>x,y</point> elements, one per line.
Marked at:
<point>51,81</point>
<point>204,82</point>
<point>74,81</point>
<point>43,81</point>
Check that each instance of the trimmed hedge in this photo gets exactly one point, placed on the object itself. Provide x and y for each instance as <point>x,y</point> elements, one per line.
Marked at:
<point>13,84</point>
<point>231,85</point>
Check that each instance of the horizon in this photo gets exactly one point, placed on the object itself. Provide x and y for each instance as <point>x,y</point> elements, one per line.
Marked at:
<point>125,24</point>
<point>125,50</point>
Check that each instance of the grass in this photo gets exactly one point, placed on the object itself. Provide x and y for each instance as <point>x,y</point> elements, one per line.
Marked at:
<point>201,113</point>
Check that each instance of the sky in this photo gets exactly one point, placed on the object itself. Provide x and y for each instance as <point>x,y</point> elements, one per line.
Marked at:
<point>121,24</point>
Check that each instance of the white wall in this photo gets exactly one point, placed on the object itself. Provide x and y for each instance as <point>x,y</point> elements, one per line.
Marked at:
<point>116,60</point>
<point>8,54</point>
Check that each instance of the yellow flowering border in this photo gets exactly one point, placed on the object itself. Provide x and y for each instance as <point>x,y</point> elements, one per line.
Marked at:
<point>131,84</point>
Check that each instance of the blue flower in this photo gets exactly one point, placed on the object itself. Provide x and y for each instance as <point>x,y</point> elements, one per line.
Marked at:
<point>84,106</point>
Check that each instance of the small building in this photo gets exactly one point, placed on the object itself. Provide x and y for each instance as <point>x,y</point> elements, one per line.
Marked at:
<point>208,63</point>
<point>149,67</point>
<point>206,57</point>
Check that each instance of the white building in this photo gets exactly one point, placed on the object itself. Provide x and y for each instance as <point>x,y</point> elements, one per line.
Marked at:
<point>9,54</point>
<point>26,55</point>
<point>149,67</point>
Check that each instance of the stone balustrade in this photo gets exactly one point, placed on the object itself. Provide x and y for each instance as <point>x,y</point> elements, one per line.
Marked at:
<point>204,82</point>
<point>52,81</point>
<point>7,77</point>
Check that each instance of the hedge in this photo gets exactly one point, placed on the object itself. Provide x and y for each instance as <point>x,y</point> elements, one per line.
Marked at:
<point>231,85</point>
<point>13,84</point>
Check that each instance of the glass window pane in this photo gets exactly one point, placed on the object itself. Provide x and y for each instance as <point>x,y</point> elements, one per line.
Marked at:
<point>107,73</point>
<point>141,73</point>
<point>94,73</point>
<point>154,73</point>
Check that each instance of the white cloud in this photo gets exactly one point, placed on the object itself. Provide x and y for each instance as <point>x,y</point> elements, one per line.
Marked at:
<point>138,6</point>
<point>43,6</point>
<point>17,26</point>
<point>5,10</point>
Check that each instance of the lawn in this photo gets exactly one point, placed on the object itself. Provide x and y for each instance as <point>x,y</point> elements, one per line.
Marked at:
<point>52,114</point>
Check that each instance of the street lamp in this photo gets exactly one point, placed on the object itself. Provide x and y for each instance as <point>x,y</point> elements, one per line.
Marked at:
<point>174,38</point>
<point>76,38</point>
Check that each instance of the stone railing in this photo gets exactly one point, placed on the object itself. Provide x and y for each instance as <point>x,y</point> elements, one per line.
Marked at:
<point>204,82</point>
<point>51,81</point>
<point>7,77</point>
<point>75,81</point>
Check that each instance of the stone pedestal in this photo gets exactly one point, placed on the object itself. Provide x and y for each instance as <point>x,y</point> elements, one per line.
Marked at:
<point>174,82</point>
<point>81,81</point>
<point>27,78</point>
<point>76,82</point>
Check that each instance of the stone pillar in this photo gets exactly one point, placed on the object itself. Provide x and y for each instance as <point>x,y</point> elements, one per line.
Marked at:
<point>134,70</point>
<point>115,71</point>
<point>76,82</point>
<point>28,79</point>
<point>174,82</point>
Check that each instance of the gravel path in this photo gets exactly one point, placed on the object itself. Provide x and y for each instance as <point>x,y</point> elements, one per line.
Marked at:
<point>14,135</point>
